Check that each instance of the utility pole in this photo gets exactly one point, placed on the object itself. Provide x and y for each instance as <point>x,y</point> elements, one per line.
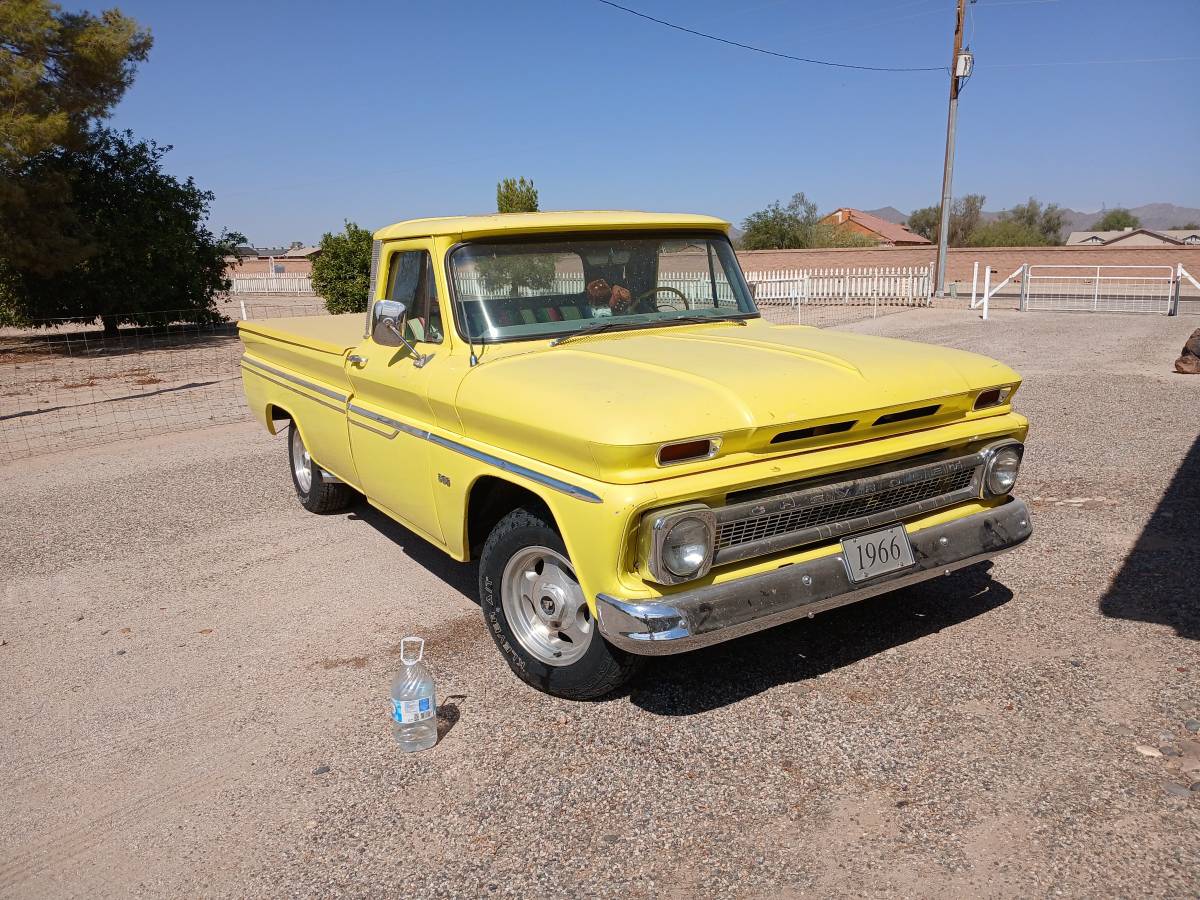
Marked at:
<point>957,68</point>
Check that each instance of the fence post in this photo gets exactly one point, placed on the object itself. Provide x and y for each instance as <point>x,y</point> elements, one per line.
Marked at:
<point>987,286</point>
<point>974,282</point>
<point>243,302</point>
<point>1096,292</point>
<point>1174,309</point>
<point>1024,286</point>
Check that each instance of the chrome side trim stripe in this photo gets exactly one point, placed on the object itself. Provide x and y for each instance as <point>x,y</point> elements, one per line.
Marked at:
<point>390,423</point>
<point>287,387</point>
<point>506,466</point>
<point>502,464</point>
<point>328,392</point>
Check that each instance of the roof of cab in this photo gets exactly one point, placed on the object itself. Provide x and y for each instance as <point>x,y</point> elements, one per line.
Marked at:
<point>580,220</point>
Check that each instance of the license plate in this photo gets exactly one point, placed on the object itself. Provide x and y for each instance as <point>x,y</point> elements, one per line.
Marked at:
<point>870,555</point>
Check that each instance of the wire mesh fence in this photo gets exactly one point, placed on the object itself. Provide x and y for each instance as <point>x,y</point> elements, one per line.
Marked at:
<point>70,385</point>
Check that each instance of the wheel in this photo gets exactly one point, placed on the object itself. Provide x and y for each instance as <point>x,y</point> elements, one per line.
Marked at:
<point>538,616</point>
<point>316,494</point>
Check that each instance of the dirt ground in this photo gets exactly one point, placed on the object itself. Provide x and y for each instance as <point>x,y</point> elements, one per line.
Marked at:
<point>194,676</point>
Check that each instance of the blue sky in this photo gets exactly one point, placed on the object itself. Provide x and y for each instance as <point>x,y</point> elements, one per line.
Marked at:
<point>299,115</point>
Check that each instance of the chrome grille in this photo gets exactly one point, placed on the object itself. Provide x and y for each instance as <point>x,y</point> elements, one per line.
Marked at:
<point>781,521</point>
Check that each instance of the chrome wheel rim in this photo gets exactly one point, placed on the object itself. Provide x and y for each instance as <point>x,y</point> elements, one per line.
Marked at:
<point>301,462</point>
<point>545,606</point>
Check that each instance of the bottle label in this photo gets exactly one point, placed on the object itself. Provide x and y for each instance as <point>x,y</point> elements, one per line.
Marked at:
<point>407,711</point>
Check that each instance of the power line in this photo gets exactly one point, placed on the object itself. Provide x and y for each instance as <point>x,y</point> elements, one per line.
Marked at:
<point>814,62</point>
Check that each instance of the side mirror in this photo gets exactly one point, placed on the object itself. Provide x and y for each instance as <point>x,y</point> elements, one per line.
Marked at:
<point>387,322</point>
<point>387,329</point>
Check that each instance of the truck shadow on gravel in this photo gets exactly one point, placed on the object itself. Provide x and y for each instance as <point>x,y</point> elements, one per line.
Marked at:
<point>462,577</point>
<point>1160,579</point>
<point>726,673</point>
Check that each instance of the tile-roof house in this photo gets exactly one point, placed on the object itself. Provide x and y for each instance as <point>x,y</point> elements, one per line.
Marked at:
<point>880,230</point>
<point>1136,237</point>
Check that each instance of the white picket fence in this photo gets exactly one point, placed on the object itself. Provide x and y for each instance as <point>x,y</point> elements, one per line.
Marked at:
<point>271,283</point>
<point>879,285</point>
<point>874,286</point>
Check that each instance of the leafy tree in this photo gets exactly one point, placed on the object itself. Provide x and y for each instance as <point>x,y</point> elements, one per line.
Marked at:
<point>926,221</point>
<point>149,254</point>
<point>795,226</point>
<point>1190,226</point>
<point>511,274</point>
<point>60,72</point>
<point>516,195</point>
<point>341,273</point>
<point>965,216</point>
<point>1007,233</point>
<point>1117,219</point>
<point>1048,222</point>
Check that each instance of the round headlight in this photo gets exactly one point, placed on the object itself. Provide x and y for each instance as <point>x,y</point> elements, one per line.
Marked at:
<point>685,547</point>
<point>1002,470</point>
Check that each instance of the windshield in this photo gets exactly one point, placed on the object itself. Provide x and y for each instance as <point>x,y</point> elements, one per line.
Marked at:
<point>555,286</point>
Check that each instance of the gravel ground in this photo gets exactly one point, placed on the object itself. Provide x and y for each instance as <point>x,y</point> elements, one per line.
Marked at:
<point>185,649</point>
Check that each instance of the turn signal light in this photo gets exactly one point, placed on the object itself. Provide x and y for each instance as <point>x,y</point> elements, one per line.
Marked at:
<point>992,397</point>
<point>686,451</point>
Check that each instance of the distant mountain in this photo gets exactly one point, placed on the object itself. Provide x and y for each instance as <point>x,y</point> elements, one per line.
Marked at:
<point>1155,216</point>
<point>888,214</point>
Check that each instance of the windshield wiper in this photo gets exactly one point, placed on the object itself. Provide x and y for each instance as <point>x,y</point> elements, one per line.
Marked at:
<point>617,324</point>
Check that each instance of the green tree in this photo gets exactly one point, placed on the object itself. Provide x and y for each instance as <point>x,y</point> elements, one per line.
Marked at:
<point>1190,226</point>
<point>795,226</point>
<point>516,195</point>
<point>60,72</point>
<point>150,256</point>
<point>1047,222</point>
<point>341,273</point>
<point>926,222</point>
<point>1007,233</point>
<point>965,215</point>
<point>511,274</point>
<point>1117,219</point>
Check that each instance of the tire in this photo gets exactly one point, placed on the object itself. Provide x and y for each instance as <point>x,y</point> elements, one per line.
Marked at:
<point>589,667</point>
<point>320,495</point>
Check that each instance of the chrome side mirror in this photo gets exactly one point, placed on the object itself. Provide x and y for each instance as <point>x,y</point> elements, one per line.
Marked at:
<point>387,329</point>
<point>387,322</point>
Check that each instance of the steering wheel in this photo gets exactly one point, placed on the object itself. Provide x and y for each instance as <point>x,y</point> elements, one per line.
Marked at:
<point>667,306</point>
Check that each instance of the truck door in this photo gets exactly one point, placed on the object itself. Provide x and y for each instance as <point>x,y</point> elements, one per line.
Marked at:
<point>389,412</point>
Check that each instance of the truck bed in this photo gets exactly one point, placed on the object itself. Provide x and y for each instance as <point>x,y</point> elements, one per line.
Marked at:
<point>327,334</point>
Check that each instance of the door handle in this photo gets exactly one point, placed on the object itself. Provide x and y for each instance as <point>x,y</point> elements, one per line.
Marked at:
<point>355,359</point>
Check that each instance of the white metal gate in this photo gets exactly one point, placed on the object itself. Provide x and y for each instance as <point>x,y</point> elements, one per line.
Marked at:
<point>1136,289</point>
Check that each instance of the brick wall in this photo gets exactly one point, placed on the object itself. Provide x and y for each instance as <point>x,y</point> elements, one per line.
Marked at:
<point>1003,260</point>
<point>261,266</point>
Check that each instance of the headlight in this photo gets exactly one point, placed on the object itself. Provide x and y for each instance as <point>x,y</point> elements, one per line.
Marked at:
<point>677,545</point>
<point>1000,473</point>
<point>685,547</point>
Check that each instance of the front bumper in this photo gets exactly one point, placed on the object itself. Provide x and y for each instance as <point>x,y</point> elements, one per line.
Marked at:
<point>720,612</point>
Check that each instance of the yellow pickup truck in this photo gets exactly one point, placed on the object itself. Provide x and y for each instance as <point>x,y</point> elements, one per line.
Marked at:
<point>590,406</point>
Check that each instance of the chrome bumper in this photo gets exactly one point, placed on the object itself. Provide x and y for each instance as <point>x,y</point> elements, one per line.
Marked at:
<point>720,612</point>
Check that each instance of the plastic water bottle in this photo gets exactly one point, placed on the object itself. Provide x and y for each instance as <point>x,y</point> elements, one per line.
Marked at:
<point>414,700</point>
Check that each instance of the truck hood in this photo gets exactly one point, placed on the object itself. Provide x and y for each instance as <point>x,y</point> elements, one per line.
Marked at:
<point>602,405</point>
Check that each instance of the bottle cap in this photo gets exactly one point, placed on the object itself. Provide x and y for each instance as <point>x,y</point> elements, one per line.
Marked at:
<point>406,648</point>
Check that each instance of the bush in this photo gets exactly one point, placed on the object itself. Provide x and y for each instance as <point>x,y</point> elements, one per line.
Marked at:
<point>341,273</point>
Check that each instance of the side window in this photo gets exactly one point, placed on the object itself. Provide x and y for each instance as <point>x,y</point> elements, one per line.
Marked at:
<point>411,280</point>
